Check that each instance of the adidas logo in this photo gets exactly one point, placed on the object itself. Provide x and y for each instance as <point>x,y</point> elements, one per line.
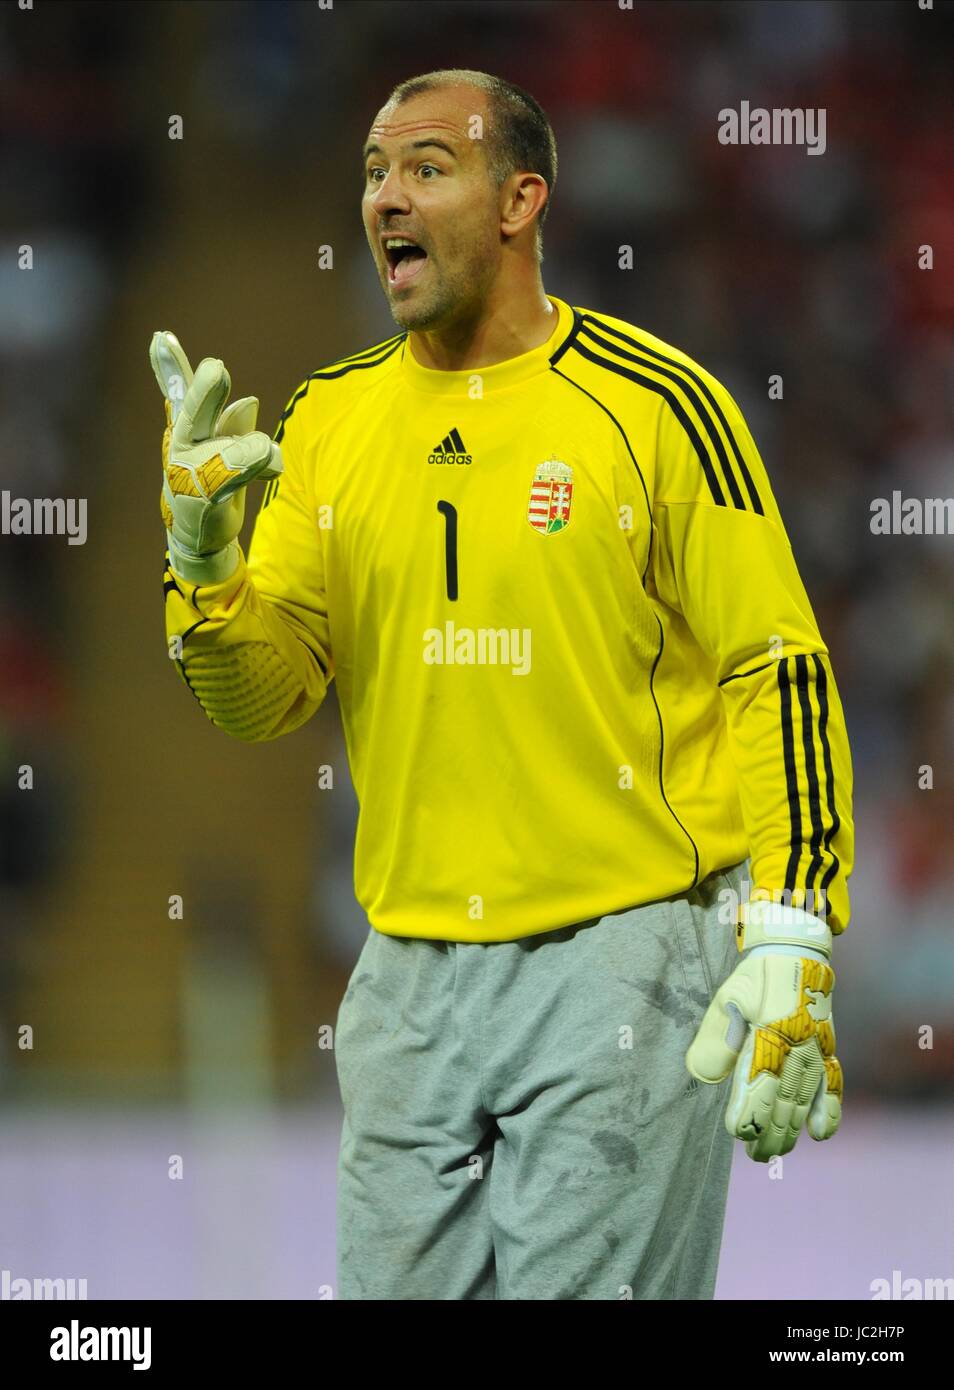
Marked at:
<point>450,450</point>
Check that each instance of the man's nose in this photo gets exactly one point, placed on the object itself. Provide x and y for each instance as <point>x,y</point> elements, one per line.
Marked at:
<point>390,194</point>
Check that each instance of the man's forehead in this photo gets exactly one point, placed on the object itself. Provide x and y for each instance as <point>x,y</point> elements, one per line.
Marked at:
<point>450,112</point>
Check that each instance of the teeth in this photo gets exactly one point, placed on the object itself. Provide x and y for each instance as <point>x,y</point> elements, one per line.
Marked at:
<point>391,242</point>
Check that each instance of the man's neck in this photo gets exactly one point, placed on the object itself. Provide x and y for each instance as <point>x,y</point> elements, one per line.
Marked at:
<point>499,334</point>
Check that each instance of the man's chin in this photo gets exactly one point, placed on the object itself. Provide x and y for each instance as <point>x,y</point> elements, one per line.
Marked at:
<point>414,315</point>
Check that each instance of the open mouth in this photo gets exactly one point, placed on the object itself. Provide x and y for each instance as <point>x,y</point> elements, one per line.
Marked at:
<point>405,260</point>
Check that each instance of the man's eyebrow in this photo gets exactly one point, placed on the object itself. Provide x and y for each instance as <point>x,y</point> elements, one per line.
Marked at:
<point>415,145</point>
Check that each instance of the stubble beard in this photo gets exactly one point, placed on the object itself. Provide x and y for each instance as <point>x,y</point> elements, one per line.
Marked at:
<point>447,299</point>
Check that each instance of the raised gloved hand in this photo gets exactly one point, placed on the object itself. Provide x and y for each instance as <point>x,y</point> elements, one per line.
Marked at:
<point>209,456</point>
<point>772,1021</point>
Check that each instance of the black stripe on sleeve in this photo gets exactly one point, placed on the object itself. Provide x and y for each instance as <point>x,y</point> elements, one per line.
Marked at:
<point>791,774</point>
<point>692,398</point>
<point>811,768</point>
<point>821,682</point>
<point>651,385</point>
<point>717,410</point>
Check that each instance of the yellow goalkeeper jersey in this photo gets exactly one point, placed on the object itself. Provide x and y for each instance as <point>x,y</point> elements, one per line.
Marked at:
<point>577,668</point>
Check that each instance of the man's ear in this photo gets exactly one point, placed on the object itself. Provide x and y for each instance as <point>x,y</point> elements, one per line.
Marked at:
<point>525,197</point>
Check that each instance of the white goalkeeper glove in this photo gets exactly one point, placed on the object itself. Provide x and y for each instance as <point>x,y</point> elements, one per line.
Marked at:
<point>209,455</point>
<point>772,1021</point>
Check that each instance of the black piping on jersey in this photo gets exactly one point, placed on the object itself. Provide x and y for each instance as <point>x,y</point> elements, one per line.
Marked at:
<point>169,581</point>
<point>189,630</point>
<point>169,584</point>
<point>652,691</point>
<point>811,771</point>
<point>167,588</point>
<point>644,351</point>
<point>741,675</point>
<point>185,677</point>
<point>371,357</point>
<point>570,338</point>
<point>364,352</point>
<point>639,471</point>
<point>341,366</point>
<point>662,749</point>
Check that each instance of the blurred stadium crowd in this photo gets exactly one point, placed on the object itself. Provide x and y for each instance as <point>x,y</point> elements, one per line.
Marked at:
<point>760,262</point>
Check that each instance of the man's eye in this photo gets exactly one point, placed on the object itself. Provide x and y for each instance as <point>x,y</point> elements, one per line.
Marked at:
<point>377,169</point>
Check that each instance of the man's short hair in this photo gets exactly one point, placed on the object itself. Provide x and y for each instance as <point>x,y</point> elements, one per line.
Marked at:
<point>520,136</point>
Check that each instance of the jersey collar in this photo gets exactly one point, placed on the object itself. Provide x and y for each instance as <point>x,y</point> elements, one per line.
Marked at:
<point>496,377</point>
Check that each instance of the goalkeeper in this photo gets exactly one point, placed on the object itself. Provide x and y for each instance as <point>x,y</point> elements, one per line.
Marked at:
<point>600,758</point>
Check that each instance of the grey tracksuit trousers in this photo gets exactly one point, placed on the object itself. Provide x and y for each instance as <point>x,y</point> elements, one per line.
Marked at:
<point>519,1120</point>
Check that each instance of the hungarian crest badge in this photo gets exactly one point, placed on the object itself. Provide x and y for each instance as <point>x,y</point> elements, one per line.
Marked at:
<point>551,495</point>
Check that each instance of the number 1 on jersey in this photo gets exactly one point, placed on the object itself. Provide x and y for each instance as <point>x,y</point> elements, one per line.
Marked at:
<point>449,513</point>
